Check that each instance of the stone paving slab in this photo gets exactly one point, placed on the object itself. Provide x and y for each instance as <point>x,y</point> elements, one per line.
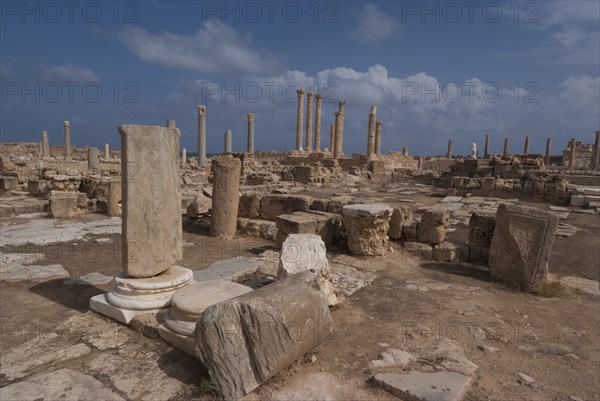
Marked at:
<point>417,386</point>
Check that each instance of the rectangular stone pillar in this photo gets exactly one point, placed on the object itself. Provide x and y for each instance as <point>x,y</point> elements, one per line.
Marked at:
<point>548,147</point>
<point>151,200</point>
<point>449,154</point>
<point>596,153</point>
<point>228,141</point>
<point>45,146</point>
<point>572,154</point>
<point>201,135</point>
<point>486,149</point>
<point>526,148</point>
<point>505,152</point>
<point>299,119</point>
<point>378,125</point>
<point>67,128</point>
<point>317,144</point>
<point>250,133</point>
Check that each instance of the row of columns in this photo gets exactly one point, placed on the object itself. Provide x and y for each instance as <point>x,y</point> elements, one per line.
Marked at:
<point>595,163</point>
<point>45,147</point>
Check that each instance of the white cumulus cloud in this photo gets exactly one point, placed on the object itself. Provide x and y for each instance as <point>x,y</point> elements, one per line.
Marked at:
<point>373,25</point>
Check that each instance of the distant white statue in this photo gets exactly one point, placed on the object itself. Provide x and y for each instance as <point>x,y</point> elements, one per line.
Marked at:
<point>474,150</point>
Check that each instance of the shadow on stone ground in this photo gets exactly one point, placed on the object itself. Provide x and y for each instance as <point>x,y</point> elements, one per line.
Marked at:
<point>75,297</point>
<point>459,270</point>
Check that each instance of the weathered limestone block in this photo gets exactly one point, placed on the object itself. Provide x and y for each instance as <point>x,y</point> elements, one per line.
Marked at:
<point>225,196</point>
<point>401,217</point>
<point>302,252</point>
<point>433,226</point>
<point>199,206</point>
<point>246,340</point>
<point>481,231</point>
<point>151,204</point>
<point>322,224</point>
<point>259,228</point>
<point>521,246</point>
<point>410,232</point>
<point>9,183</point>
<point>334,205</point>
<point>272,206</point>
<point>38,187</point>
<point>445,252</point>
<point>488,183</point>
<point>367,226</point>
<point>114,196</point>
<point>250,205</point>
<point>67,204</point>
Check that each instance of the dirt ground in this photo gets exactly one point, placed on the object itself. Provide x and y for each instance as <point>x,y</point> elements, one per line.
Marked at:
<point>555,340</point>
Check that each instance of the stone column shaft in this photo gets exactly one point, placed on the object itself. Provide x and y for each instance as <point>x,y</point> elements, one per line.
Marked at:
<point>371,134</point>
<point>228,141</point>
<point>106,152</point>
<point>225,196</point>
<point>338,138</point>
<point>331,138</point>
<point>171,123</point>
<point>114,197</point>
<point>67,127</point>
<point>340,135</point>
<point>526,148</point>
<point>250,133</point>
<point>548,150</point>
<point>449,154</point>
<point>596,153</point>
<point>505,152</point>
<point>317,144</point>
<point>183,156</point>
<point>309,116</point>
<point>45,145</point>
<point>572,154</point>
<point>378,126</point>
<point>299,118</point>
<point>201,136</point>
<point>486,149</point>
<point>93,160</point>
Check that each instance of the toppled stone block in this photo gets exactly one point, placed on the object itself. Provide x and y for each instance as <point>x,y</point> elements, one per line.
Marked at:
<point>246,340</point>
<point>272,206</point>
<point>445,252</point>
<point>402,216</point>
<point>433,226</point>
<point>302,252</point>
<point>367,226</point>
<point>67,204</point>
<point>199,206</point>
<point>322,224</point>
<point>521,246</point>
<point>259,228</point>
<point>250,205</point>
<point>9,183</point>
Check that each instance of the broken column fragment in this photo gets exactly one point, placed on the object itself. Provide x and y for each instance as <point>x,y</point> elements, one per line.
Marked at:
<point>433,226</point>
<point>225,196</point>
<point>367,226</point>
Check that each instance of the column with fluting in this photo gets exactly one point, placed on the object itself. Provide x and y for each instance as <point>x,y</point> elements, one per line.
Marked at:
<point>299,118</point>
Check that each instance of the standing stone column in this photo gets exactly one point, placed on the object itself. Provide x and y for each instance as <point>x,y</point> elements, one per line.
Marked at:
<point>225,196</point>
<point>378,125</point>
<point>228,141</point>
<point>45,146</point>
<point>250,133</point>
<point>505,152</point>
<point>67,128</point>
<point>93,159</point>
<point>548,147</point>
<point>331,138</point>
<point>572,154</point>
<point>340,136</point>
<point>526,148</point>
<point>596,153</point>
<point>371,134</point>
<point>299,119</point>
<point>151,207</point>
<point>171,123</point>
<point>201,135</point>
<point>337,136</point>
<point>106,152</point>
<point>114,197</point>
<point>309,108</point>
<point>486,149</point>
<point>404,151</point>
<point>449,154</point>
<point>183,156</point>
<point>318,122</point>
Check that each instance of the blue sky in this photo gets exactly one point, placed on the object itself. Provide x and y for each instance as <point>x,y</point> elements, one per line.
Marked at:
<point>435,70</point>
